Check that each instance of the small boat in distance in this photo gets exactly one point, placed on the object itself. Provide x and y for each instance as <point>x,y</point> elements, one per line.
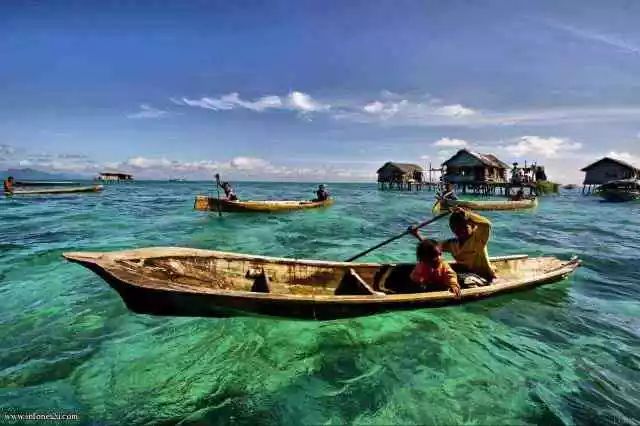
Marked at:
<point>620,190</point>
<point>206,203</point>
<point>489,205</point>
<point>191,282</point>
<point>44,183</point>
<point>58,190</point>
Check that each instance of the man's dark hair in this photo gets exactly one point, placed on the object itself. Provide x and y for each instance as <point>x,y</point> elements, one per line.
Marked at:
<point>457,219</point>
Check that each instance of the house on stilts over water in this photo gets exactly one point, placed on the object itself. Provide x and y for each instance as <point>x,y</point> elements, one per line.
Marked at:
<point>400,175</point>
<point>486,174</point>
<point>606,170</point>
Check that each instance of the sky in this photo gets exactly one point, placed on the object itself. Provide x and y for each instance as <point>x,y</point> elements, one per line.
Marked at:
<point>315,90</point>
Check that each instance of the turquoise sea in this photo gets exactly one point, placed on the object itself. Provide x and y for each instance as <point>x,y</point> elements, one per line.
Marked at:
<point>563,354</point>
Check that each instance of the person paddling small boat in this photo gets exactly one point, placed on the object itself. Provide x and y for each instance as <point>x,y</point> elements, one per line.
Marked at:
<point>229,193</point>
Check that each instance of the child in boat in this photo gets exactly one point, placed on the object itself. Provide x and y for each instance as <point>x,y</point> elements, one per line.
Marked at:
<point>469,248</point>
<point>431,272</point>
<point>321,194</point>
<point>8,185</point>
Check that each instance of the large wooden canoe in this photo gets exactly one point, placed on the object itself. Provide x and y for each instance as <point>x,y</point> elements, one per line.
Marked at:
<point>192,282</point>
<point>490,205</point>
<point>58,190</point>
<point>204,202</point>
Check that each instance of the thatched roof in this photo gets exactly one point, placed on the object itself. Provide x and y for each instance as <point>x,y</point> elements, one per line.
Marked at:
<point>488,160</point>
<point>402,167</point>
<point>611,160</point>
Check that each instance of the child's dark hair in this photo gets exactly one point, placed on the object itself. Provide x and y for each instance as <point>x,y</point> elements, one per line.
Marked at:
<point>457,219</point>
<point>427,251</point>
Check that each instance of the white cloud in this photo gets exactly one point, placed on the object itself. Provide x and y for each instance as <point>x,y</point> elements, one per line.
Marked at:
<point>294,101</point>
<point>232,101</point>
<point>249,163</point>
<point>625,156</point>
<point>545,147</point>
<point>451,143</point>
<point>396,111</point>
<point>147,111</point>
<point>375,107</point>
<point>456,110</point>
<point>147,163</point>
<point>305,103</point>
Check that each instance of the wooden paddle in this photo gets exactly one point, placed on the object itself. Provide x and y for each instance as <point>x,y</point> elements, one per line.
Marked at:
<point>218,191</point>
<point>385,242</point>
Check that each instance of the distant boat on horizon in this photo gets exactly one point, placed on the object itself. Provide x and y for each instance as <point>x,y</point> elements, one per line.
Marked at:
<point>177,180</point>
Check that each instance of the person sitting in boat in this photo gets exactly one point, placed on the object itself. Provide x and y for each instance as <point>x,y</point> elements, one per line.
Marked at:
<point>449,193</point>
<point>519,196</point>
<point>8,185</point>
<point>321,194</point>
<point>432,272</point>
<point>469,248</point>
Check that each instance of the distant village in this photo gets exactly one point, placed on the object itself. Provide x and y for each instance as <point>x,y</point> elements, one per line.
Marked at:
<point>486,174</point>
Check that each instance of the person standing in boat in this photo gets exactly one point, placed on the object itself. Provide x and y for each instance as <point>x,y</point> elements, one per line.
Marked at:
<point>449,193</point>
<point>8,185</point>
<point>322,194</point>
<point>469,247</point>
<point>229,193</point>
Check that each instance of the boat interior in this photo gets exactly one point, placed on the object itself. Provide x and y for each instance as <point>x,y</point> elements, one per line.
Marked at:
<point>218,271</point>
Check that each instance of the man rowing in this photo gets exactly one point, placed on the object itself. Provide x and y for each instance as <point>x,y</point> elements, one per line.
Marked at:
<point>449,193</point>
<point>469,247</point>
<point>229,193</point>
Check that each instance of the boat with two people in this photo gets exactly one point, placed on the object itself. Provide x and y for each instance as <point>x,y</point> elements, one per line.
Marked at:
<point>231,202</point>
<point>177,281</point>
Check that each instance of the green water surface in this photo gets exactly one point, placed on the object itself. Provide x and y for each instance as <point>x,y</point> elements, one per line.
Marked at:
<point>562,354</point>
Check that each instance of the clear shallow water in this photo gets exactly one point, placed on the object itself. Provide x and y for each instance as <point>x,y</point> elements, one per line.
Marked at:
<point>562,354</point>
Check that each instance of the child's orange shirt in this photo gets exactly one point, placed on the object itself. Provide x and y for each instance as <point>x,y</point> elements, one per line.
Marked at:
<point>439,278</point>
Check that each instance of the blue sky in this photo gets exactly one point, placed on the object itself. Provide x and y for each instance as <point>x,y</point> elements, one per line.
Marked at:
<point>320,91</point>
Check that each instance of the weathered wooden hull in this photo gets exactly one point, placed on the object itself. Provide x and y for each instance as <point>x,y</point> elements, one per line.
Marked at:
<point>58,190</point>
<point>206,203</point>
<point>490,205</point>
<point>190,282</point>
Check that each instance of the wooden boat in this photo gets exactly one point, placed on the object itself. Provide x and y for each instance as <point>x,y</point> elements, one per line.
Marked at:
<point>44,183</point>
<point>204,202</point>
<point>490,205</point>
<point>58,190</point>
<point>192,282</point>
<point>620,190</point>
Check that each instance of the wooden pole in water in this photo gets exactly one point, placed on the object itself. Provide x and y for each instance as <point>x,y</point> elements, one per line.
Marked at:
<point>218,191</point>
